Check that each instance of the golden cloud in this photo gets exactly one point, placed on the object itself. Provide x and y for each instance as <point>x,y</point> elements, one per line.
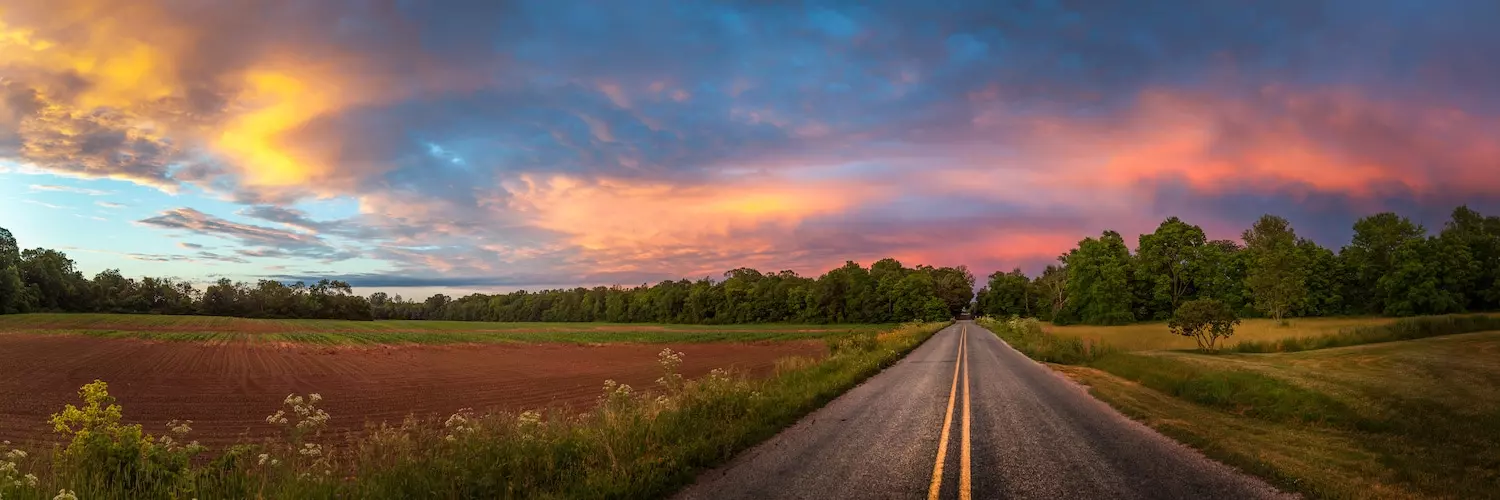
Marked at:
<point>100,74</point>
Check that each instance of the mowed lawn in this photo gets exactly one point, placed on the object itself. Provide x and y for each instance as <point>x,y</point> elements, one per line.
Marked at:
<point>1156,337</point>
<point>340,332</point>
<point>1417,418</point>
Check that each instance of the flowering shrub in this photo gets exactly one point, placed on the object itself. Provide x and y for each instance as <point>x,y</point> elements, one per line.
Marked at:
<point>670,361</point>
<point>134,461</point>
<point>10,470</point>
<point>460,424</point>
<point>301,418</point>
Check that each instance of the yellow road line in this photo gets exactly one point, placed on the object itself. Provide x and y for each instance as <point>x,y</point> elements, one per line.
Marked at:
<point>942,451</point>
<point>963,473</point>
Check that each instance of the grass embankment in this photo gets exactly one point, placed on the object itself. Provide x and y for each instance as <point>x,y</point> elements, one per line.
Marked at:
<point>634,444</point>
<point>1386,420</point>
<point>339,332</point>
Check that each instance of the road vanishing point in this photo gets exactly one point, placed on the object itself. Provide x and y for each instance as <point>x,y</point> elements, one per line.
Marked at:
<point>966,416</point>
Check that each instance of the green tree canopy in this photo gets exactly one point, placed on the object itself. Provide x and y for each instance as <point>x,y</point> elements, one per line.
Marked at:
<point>1274,271</point>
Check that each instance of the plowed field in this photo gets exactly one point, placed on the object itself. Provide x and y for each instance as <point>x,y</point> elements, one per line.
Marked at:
<point>228,388</point>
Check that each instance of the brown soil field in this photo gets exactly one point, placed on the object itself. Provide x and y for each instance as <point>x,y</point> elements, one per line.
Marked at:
<point>227,390</point>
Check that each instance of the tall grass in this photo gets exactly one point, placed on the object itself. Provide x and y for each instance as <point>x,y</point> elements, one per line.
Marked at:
<point>1402,329</point>
<point>633,444</point>
<point>1026,335</point>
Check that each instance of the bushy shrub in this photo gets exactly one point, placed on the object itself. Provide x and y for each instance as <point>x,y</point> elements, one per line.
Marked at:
<point>1205,321</point>
<point>104,454</point>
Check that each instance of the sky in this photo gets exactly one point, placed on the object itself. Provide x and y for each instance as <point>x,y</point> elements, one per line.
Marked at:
<point>496,145</point>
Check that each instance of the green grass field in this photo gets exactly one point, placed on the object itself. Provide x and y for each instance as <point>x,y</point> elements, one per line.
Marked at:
<point>338,332</point>
<point>1387,419</point>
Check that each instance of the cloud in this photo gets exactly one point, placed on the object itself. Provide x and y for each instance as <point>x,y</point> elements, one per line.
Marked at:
<point>69,189</point>
<point>109,204</point>
<point>48,205</point>
<point>194,258</point>
<point>264,241</point>
<point>534,142</point>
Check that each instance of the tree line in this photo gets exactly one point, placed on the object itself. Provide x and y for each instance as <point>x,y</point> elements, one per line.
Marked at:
<point>45,280</point>
<point>1391,267</point>
<point>885,292</point>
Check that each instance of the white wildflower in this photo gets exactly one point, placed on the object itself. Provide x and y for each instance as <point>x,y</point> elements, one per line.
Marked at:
<point>65,495</point>
<point>31,480</point>
<point>180,427</point>
<point>263,458</point>
<point>311,450</point>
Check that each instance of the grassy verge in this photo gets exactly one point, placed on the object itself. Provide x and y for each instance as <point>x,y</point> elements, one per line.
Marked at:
<point>1028,337</point>
<point>1417,418</point>
<point>634,444</point>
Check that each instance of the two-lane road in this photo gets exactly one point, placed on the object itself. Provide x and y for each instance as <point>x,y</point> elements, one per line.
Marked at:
<point>965,416</point>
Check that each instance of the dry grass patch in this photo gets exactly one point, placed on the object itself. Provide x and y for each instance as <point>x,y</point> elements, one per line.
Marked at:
<point>1155,336</point>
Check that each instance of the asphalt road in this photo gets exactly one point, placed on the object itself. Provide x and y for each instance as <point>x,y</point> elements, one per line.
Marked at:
<point>965,416</point>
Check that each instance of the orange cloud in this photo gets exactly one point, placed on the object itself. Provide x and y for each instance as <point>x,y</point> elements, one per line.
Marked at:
<point>651,220</point>
<point>1328,140</point>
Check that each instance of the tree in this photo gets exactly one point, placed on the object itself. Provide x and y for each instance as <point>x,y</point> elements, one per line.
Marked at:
<point>1167,258</point>
<point>1324,277</point>
<point>1053,283</point>
<point>915,299</point>
<point>11,286</point>
<point>1205,321</point>
<point>1480,236</point>
<point>1098,282</point>
<point>52,281</point>
<point>1371,255</point>
<point>955,286</point>
<point>1007,294</point>
<point>1274,272</point>
<point>222,299</point>
<point>1428,276</point>
<point>1219,273</point>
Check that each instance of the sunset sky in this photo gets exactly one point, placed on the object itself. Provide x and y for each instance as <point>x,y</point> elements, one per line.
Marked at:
<point>494,145</point>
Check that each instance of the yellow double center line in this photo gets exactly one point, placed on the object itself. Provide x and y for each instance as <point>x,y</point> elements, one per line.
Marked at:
<point>942,452</point>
